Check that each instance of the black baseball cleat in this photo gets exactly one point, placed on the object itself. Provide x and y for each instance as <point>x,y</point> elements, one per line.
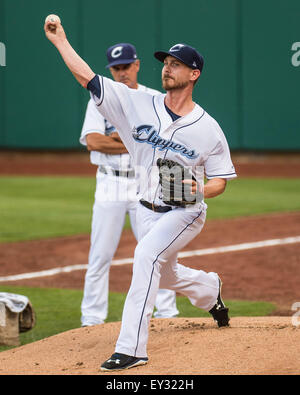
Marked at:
<point>122,362</point>
<point>220,311</point>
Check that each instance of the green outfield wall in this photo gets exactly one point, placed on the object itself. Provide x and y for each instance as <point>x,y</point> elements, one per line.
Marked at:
<point>250,82</point>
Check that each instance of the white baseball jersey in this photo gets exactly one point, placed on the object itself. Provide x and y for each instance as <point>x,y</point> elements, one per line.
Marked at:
<point>94,122</point>
<point>194,140</point>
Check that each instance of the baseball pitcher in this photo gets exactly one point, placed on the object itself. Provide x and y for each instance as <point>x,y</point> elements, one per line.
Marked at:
<point>162,132</point>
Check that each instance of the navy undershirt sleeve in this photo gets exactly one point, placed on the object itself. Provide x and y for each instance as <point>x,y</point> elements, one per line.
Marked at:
<point>94,86</point>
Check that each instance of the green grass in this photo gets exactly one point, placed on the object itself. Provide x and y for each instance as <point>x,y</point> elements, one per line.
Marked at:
<point>58,310</point>
<point>250,196</point>
<point>43,207</point>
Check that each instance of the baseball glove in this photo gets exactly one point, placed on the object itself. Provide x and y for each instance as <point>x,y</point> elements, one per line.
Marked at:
<point>174,191</point>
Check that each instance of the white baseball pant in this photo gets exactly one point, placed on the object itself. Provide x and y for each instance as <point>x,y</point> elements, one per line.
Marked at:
<point>155,264</point>
<point>114,197</point>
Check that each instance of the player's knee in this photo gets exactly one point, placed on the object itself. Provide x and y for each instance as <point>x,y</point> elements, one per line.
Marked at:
<point>140,252</point>
<point>97,264</point>
<point>149,254</point>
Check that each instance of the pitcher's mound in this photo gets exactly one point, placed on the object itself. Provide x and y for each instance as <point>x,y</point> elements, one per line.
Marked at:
<point>195,346</point>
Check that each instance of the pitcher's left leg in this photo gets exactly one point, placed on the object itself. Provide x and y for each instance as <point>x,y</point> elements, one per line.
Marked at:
<point>170,233</point>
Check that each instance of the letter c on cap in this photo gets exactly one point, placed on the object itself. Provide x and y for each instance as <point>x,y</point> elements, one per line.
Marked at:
<point>116,52</point>
<point>177,47</point>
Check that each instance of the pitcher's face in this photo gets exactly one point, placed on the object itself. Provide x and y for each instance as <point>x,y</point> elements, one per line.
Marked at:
<point>176,75</point>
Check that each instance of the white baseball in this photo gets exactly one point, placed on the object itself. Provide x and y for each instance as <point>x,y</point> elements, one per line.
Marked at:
<point>53,18</point>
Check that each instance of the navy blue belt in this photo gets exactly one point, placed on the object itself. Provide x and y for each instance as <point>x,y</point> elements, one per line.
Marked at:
<point>155,207</point>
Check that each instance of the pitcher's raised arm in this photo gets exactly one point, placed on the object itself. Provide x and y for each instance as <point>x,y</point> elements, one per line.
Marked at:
<point>78,67</point>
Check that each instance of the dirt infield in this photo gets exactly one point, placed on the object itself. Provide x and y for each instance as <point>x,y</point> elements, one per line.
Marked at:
<point>263,345</point>
<point>77,163</point>
<point>266,345</point>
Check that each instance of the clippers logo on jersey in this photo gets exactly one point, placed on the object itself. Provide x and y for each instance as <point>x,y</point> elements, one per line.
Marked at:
<point>116,52</point>
<point>147,134</point>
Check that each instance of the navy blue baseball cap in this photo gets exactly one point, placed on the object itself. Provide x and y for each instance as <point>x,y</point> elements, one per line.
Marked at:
<point>186,54</point>
<point>122,53</point>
